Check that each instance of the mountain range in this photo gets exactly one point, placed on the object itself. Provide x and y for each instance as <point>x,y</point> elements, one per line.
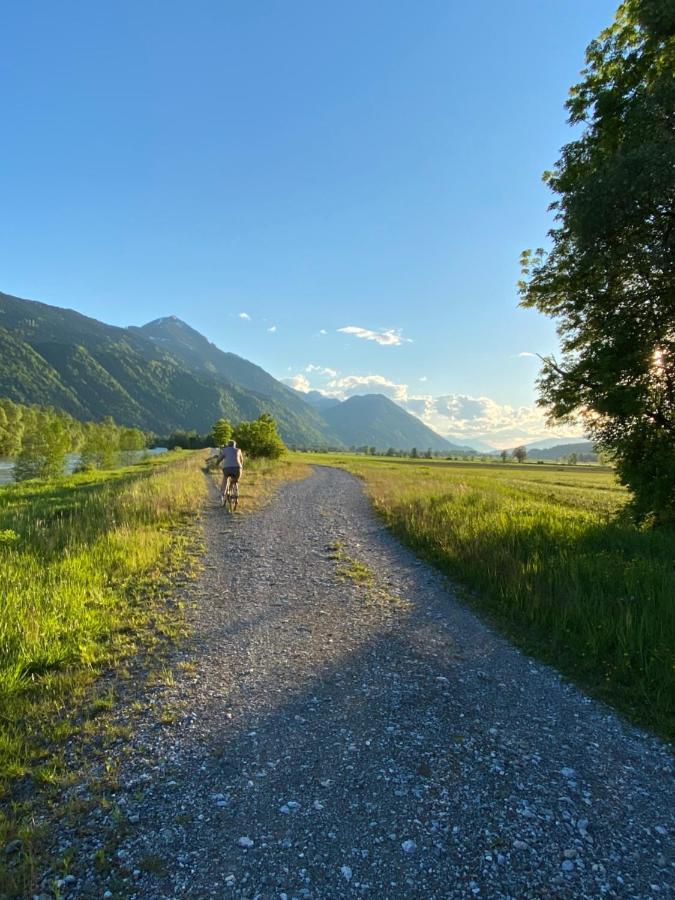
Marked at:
<point>584,450</point>
<point>165,376</point>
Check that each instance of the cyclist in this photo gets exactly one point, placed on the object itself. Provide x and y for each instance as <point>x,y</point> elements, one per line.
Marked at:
<point>233,462</point>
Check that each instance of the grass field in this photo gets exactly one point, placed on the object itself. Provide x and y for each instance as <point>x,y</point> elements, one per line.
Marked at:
<point>546,552</point>
<point>83,562</point>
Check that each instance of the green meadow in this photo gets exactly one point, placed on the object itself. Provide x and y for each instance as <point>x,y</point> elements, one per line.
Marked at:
<point>86,563</point>
<point>79,558</point>
<point>547,553</point>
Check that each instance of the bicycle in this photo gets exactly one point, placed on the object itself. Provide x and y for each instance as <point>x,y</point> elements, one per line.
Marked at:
<point>229,498</point>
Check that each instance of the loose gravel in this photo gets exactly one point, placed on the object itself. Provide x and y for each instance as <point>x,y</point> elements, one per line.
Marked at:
<point>366,738</point>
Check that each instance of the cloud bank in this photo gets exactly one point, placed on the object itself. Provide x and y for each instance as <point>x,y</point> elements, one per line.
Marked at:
<point>390,337</point>
<point>462,418</point>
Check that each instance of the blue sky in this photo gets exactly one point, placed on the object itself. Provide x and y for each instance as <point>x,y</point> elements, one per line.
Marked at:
<point>317,166</point>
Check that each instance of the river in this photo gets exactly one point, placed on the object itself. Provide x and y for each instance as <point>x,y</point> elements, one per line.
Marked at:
<point>72,460</point>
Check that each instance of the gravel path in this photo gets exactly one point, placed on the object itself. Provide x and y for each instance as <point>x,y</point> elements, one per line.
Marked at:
<point>369,739</point>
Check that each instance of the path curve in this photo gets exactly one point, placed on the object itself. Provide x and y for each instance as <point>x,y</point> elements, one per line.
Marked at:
<point>344,739</point>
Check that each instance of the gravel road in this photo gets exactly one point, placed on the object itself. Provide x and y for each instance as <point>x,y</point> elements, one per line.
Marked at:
<point>344,738</point>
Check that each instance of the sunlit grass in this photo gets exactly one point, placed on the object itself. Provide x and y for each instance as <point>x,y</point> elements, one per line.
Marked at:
<point>547,552</point>
<point>85,563</point>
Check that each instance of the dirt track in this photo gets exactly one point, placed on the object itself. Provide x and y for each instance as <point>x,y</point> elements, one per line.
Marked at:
<point>344,739</point>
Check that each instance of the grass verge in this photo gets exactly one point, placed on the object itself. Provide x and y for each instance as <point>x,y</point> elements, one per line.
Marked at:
<point>549,556</point>
<point>86,563</point>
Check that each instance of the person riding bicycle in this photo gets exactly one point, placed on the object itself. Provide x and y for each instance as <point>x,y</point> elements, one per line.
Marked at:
<point>233,462</point>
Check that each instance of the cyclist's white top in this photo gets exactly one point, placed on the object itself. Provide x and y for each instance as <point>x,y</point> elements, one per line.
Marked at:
<point>231,456</point>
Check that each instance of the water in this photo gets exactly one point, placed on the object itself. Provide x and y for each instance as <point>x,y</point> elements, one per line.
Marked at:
<point>72,461</point>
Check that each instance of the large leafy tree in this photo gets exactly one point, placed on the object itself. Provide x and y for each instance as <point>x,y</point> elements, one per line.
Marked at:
<point>260,438</point>
<point>609,278</point>
<point>222,432</point>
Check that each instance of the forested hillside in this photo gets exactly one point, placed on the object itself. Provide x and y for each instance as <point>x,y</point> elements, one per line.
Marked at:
<point>59,357</point>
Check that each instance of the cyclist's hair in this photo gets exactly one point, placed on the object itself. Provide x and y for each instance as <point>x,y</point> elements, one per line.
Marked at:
<point>231,443</point>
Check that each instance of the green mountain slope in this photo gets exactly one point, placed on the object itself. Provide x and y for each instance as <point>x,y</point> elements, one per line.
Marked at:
<point>26,376</point>
<point>55,356</point>
<point>197,353</point>
<point>377,421</point>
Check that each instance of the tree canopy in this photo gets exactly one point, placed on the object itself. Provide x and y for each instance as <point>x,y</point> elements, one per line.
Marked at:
<point>40,438</point>
<point>260,438</point>
<point>608,278</point>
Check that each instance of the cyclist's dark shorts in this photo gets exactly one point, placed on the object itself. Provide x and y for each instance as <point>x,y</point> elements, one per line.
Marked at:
<point>233,472</point>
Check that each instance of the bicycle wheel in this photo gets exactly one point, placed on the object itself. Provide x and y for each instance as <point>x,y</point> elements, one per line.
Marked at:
<point>234,492</point>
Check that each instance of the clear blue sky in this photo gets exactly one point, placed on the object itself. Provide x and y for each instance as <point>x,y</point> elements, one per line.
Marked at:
<point>315,165</point>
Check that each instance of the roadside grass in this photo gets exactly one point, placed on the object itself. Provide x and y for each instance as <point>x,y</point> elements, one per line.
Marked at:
<point>548,554</point>
<point>86,563</point>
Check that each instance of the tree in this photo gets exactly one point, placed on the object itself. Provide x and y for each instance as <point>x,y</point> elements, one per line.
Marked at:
<point>222,432</point>
<point>520,453</point>
<point>11,428</point>
<point>504,455</point>
<point>101,445</point>
<point>260,438</point>
<point>608,279</point>
<point>46,441</point>
<point>413,453</point>
<point>131,441</point>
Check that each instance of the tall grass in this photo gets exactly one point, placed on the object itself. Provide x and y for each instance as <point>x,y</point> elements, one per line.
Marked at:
<point>78,560</point>
<point>548,554</point>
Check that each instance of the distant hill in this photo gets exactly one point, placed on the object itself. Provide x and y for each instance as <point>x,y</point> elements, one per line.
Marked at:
<point>377,421</point>
<point>318,400</point>
<point>584,451</point>
<point>160,377</point>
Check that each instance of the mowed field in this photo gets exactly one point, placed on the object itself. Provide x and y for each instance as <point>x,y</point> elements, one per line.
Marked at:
<point>545,551</point>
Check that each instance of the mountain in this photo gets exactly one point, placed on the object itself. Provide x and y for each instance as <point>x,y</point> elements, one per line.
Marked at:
<point>584,450</point>
<point>298,422</point>
<point>546,444</point>
<point>318,400</point>
<point>478,446</point>
<point>161,377</point>
<point>377,421</point>
<point>165,376</point>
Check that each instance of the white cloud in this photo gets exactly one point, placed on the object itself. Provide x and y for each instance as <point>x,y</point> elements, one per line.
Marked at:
<point>244,315</point>
<point>463,417</point>
<point>368,384</point>
<point>299,382</point>
<point>526,355</point>
<point>323,331</point>
<point>423,378</point>
<point>272,329</point>
<point>321,370</point>
<point>389,337</point>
